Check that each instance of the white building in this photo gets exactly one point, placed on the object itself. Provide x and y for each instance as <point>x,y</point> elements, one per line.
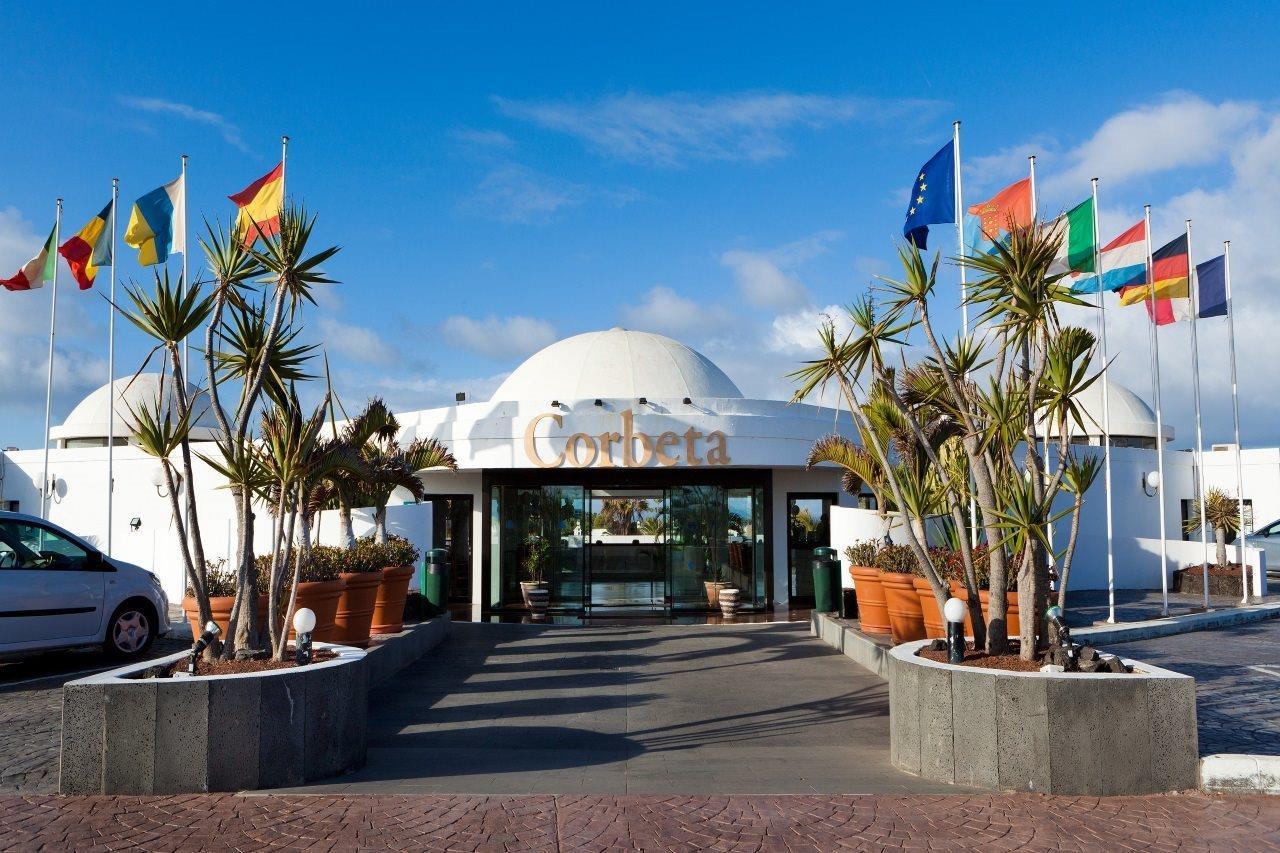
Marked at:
<point>628,470</point>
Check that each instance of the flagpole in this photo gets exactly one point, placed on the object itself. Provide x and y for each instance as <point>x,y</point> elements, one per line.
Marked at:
<point>1235,411</point>
<point>1035,212</point>
<point>284,157</point>
<point>1106,408</point>
<point>964,292</point>
<point>1155,383</point>
<point>45,502</point>
<point>1194,287</point>
<point>185,366</point>
<point>111,366</point>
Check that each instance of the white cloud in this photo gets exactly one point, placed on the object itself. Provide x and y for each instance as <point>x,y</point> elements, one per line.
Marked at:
<point>160,106</point>
<point>514,193</point>
<point>498,337</point>
<point>357,343</point>
<point>663,310</point>
<point>767,279</point>
<point>483,139</point>
<point>671,129</point>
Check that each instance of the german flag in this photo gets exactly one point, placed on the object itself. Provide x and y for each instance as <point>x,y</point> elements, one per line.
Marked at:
<point>91,248</point>
<point>1171,276</point>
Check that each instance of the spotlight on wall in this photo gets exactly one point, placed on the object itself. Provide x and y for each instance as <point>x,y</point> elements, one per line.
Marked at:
<point>460,397</point>
<point>644,401</point>
<point>555,404</point>
<point>687,401</point>
<point>599,402</point>
<point>135,523</point>
<point>1151,483</point>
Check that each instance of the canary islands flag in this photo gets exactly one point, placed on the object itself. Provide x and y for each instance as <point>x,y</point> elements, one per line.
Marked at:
<point>91,248</point>
<point>933,196</point>
<point>158,223</point>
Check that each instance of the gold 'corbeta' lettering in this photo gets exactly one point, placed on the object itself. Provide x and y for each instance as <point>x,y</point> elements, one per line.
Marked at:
<point>583,450</point>
<point>531,442</point>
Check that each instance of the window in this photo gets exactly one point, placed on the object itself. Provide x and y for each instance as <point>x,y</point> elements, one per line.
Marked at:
<point>30,546</point>
<point>11,506</point>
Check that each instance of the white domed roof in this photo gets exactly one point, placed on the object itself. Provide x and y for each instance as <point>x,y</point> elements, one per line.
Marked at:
<point>89,418</point>
<point>1129,414</point>
<point>617,364</point>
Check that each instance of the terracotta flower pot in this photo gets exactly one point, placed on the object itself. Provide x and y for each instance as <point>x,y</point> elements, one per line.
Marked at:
<point>322,597</point>
<point>934,626</point>
<point>220,605</point>
<point>873,611</point>
<point>906,619</point>
<point>388,610</point>
<point>1013,623</point>
<point>713,592</point>
<point>354,616</point>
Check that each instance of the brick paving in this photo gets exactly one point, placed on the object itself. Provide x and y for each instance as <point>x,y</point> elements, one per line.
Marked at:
<point>588,823</point>
<point>1237,673</point>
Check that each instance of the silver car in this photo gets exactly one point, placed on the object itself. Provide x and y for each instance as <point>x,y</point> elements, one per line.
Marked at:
<point>58,591</point>
<point>1267,537</point>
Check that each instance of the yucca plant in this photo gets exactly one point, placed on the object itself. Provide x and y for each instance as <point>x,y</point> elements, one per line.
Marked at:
<point>1221,512</point>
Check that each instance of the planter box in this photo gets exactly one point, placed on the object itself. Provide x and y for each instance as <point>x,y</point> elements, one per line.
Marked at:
<point>123,735</point>
<point>1191,580</point>
<point>1060,733</point>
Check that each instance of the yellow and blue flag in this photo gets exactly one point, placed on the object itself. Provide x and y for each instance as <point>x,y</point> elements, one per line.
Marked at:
<point>158,224</point>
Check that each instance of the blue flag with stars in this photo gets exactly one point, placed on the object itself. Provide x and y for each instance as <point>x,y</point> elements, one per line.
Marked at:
<point>933,196</point>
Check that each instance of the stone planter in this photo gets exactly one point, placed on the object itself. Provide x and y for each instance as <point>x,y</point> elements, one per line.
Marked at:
<point>388,609</point>
<point>1228,584</point>
<point>354,615</point>
<point>873,612</point>
<point>730,600</point>
<point>220,605</point>
<point>1060,733</point>
<point>322,597</point>
<point>125,735</point>
<point>713,592</point>
<point>934,626</point>
<point>906,619</point>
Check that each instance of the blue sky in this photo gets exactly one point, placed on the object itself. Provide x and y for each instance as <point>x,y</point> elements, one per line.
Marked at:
<point>501,176</point>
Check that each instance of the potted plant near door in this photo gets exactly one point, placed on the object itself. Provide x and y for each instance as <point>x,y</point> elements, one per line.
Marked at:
<point>397,557</point>
<point>533,588</point>
<point>319,589</point>
<point>897,576</point>
<point>361,570</point>
<point>873,612</point>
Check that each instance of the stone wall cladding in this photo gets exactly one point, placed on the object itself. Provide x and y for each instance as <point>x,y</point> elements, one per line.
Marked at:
<point>123,735</point>
<point>1061,733</point>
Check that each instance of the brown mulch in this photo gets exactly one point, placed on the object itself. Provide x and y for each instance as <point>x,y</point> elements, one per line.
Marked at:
<point>240,667</point>
<point>979,658</point>
<point>1229,570</point>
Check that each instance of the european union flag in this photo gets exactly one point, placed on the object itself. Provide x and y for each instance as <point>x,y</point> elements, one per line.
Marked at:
<point>933,196</point>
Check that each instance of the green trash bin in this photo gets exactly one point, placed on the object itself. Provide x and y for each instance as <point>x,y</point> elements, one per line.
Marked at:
<point>826,580</point>
<point>435,581</point>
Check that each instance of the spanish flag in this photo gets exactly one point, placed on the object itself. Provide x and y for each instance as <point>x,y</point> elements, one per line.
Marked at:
<point>91,248</point>
<point>1170,275</point>
<point>260,204</point>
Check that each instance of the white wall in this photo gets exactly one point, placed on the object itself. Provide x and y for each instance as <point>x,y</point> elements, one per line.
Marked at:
<point>789,480</point>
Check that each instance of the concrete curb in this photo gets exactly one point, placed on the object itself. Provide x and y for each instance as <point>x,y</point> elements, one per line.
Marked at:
<point>1240,774</point>
<point>853,644</point>
<point>1099,635</point>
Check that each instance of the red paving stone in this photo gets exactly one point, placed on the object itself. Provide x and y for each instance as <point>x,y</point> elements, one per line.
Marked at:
<point>590,823</point>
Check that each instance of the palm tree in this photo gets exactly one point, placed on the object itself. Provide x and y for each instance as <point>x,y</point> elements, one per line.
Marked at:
<point>1221,513</point>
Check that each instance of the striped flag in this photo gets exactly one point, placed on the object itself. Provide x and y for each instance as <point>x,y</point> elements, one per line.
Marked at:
<point>38,270</point>
<point>91,248</point>
<point>1171,274</point>
<point>1075,229</point>
<point>260,204</point>
<point>158,223</point>
<point>1123,262</point>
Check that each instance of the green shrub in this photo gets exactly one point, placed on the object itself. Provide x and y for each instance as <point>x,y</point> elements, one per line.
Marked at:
<point>896,558</point>
<point>218,579</point>
<point>862,553</point>
<point>322,569</point>
<point>396,551</point>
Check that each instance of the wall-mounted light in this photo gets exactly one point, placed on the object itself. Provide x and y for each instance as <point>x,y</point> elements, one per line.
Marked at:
<point>687,401</point>
<point>135,523</point>
<point>644,401</point>
<point>1151,483</point>
<point>555,404</point>
<point>158,480</point>
<point>599,402</point>
<point>460,397</point>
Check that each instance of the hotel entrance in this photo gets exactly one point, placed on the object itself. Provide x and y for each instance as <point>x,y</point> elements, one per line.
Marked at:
<point>640,541</point>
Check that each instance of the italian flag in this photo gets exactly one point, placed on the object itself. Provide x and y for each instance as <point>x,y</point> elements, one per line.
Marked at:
<point>38,270</point>
<point>1076,229</point>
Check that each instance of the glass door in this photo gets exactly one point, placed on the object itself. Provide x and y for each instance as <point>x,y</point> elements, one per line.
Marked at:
<point>627,559</point>
<point>808,527</point>
<point>451,530</point>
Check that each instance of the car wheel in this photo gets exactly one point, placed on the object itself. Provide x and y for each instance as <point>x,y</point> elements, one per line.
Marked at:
<point>131,631</point>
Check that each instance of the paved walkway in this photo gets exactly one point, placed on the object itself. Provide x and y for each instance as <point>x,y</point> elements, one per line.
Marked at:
<point>1087,607</point>
<point>580,823</point>
<point>1237,673</point>
<point>523,709</point>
